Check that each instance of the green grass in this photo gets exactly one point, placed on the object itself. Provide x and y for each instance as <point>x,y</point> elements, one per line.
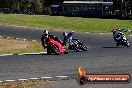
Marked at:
<point>64,23</point>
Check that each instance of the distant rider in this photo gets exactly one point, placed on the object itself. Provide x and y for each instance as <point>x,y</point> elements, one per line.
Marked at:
<point>117,35</point>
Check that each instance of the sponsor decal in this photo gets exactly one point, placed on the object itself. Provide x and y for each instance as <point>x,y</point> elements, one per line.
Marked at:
<point>84,78</point>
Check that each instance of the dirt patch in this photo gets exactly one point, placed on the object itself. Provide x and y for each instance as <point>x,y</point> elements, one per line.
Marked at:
<point>12,44</point>
<point>24,84</point>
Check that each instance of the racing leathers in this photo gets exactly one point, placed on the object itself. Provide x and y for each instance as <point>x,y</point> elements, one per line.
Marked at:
<point>45,39</point>
<point>68,39</point>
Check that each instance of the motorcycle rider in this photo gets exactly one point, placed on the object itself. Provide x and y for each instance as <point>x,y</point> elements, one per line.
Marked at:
<point>65,39</point>
<point>117,35</point>
<point>45,38</point>
<point>68,38</point>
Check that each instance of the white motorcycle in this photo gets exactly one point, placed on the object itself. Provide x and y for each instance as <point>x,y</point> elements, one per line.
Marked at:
<point>124,41</point>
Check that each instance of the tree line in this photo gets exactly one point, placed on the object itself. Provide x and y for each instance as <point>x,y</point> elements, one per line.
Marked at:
<point>42,6</point>
<point>124,7</point>
<point>30,6</point>
<point>26,6</point>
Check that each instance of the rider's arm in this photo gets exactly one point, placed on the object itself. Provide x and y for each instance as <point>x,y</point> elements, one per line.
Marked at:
<point>43,41</point>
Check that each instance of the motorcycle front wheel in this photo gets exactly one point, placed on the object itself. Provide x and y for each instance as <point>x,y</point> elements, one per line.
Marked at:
<point>84,48</point>
<point>127,44</point>
<point>55,49</point>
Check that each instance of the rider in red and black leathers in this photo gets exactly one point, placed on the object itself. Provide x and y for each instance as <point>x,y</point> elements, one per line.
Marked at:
<point>45,38</point>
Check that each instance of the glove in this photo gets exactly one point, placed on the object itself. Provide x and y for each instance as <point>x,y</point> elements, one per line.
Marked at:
<point>45,46</point>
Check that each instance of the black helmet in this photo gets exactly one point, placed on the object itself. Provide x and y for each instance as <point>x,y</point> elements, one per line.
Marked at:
<point>114,29</point>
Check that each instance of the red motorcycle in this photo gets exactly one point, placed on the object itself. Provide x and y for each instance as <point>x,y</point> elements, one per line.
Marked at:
<point>54,46</point>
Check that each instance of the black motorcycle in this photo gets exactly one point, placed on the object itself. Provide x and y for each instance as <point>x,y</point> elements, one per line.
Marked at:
<point>74,43</point>
<point>77,45</point>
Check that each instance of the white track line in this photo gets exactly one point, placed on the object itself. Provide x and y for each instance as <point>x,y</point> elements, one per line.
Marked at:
<point>8,37</point>
<point>24,54</point>
<point>102,33</point>
<point>62,76</point>
<point>22,79</point>
<point>10,80</point>
<point>32,53</point>
<point>24,39</point>
<point>6,54</point>
<point>41,78</point>
<point>43,52</point>
<point>46,77</point>
<point>17,38</point>
<point>34,40</point>
<point>27,53</point>
<point>1,81</point>
<point>87,32</point>
<point>34,78</point>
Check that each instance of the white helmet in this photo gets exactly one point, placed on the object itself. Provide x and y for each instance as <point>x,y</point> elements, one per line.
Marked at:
<point>46,32</point>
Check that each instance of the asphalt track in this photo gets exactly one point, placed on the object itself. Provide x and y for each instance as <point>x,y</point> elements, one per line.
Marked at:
<point>102,57</point>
